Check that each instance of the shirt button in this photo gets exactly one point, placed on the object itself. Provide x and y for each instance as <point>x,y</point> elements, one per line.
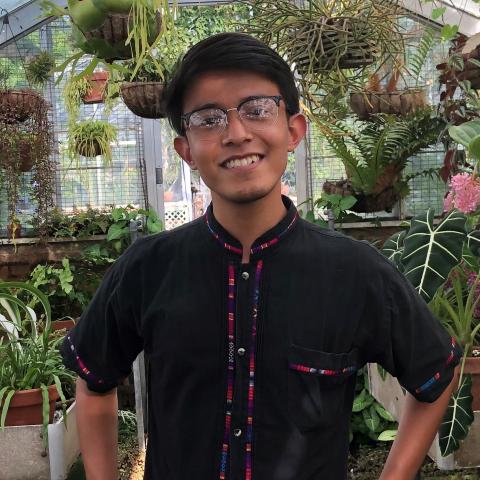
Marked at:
<point>237,432</point>
<point>245,275</point>
<point>241,351</point>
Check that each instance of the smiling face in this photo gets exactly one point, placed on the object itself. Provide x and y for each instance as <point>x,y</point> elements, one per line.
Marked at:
<point>240,164</point>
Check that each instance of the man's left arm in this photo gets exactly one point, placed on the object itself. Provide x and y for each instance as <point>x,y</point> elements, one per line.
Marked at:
<point>417,428</point>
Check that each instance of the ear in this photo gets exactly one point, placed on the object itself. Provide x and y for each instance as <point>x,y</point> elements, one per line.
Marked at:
<point>182,147</point>
<point>297,128</point>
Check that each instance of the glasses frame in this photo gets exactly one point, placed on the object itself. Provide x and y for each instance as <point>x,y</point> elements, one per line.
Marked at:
<point>186,116</point>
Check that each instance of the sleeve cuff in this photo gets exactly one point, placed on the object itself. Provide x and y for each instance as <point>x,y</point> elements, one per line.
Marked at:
<point>72,361</point>
<point>434,386</point>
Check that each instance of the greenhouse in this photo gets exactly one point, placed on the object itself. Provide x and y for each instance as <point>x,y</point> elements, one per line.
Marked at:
<point>239,240</point>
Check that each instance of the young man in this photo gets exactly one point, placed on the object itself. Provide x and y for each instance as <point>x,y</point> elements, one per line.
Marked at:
<point>253,321</point>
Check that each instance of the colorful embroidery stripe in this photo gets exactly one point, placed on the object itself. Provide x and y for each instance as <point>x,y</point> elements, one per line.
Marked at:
<point>319,371</point>
<point>82,366</point>
<point>230,369</point>
<point>251,382</point>
<point>253,250</point>
<point>437,376</point>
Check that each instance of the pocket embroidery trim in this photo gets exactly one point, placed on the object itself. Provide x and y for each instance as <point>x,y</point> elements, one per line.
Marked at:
<point>319,371</point>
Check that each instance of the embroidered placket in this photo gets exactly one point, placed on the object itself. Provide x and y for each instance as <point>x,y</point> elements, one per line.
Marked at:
<point>251,381</point>
<point>230,369</point>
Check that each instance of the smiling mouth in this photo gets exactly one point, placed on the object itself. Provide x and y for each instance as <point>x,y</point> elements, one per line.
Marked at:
<point>241,162</point>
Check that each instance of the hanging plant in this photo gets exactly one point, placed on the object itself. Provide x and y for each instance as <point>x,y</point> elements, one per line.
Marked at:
<point>40,69</point>
<point>25,146</point>
<point>91,138</point>
<point>386,96</point>
<point>19,105</point>
<point>331,44</point>
<point>97,86</point>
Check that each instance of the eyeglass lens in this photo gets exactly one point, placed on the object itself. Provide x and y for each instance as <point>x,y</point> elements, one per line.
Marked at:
<point>256,114</point>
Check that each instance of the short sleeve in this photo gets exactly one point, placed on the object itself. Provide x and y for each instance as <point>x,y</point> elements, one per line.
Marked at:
<point>411,343</point>
<point>103,345</point>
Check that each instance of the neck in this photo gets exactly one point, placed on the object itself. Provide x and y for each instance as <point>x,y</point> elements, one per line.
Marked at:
<point>248,221</point>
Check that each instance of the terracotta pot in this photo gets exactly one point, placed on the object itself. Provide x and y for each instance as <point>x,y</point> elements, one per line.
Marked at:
<point>66,325</point>
<point>401,103</point>
<point>472,366</point>
<point>83,151</point>
<point>26,407</point>
<point>144,99</point>
<point>96,93</point>
<point>21,104</point>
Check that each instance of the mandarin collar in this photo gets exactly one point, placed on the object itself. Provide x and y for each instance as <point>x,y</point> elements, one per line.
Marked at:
<point>264,243</point>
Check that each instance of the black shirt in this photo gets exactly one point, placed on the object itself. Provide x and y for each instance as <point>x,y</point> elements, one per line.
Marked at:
<point>252,366</point>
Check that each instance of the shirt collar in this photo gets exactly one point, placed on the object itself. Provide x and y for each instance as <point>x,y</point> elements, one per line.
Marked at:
<point>269,239</point>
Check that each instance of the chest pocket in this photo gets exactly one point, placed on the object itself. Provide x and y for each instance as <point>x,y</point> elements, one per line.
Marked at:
<point>320,385</point>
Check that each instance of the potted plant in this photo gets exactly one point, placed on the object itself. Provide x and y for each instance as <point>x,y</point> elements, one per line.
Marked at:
<point>97,83</point>
<point>428,255</point>
<point>90,138</point>
<point>375,154</point>
<point>144,89</point>
<point>331,44</point>
<point>388,98</point>
<point>31,367</point>
<point>39,69</point>
<point>18,105</point>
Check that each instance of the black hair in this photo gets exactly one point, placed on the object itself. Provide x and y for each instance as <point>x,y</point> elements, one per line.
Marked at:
<point>229,51</point>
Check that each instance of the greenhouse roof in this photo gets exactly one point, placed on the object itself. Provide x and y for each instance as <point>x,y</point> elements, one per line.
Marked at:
<point>25,16</point>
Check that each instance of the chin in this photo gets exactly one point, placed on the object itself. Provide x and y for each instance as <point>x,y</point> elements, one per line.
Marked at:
<point>247,197</point>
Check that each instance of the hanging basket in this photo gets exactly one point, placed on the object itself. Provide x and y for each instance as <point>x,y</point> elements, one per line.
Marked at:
<point>97,85</point>
<point>145,99</point>
<point>20,104</point>
<point>401,103</point>
<point>329,43</point>
<point>115,31</point>
<point>90,149</point>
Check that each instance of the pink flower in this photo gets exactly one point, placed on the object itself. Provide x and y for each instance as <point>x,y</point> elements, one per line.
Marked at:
<point>464,193</point>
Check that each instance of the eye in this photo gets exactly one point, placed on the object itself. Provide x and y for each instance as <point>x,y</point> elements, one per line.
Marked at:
<point>205,119</point>
<point>258,109</point>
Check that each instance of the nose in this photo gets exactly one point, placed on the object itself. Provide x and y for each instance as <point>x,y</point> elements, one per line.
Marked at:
<point>235,130</point>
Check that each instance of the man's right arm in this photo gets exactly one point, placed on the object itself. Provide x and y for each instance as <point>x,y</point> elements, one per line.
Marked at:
<point>97,418</point>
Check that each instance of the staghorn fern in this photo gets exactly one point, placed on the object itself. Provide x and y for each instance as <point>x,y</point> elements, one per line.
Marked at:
<point>367,149</point>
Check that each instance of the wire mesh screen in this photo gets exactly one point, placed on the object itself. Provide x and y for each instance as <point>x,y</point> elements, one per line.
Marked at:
<point>425,191</point>
<point>80,182</point>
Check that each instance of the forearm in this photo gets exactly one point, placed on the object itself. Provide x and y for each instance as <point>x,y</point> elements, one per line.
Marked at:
<point>97,430</point>
<point>418,426</point>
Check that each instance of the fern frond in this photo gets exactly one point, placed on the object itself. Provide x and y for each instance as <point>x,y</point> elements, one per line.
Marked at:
<point>418,59</point>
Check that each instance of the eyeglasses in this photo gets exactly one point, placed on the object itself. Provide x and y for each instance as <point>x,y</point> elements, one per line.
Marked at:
<point>256,114</point>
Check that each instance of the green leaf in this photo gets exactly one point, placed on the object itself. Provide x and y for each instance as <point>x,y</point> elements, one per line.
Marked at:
<point>464,134</point>
<point>438,12</point>
<point>383,413</point>
<point>393,248</point>
<point>371,418</point>
<point>362,401</point>
<point>347,202</point>
<point>387,436</point>
<point>448,32</point>
<point>382,372</point>
<point>431,252</point>
<point>473,242</point>
<point>458,418</point>
<point>117,231</point>
<point>6,405</point>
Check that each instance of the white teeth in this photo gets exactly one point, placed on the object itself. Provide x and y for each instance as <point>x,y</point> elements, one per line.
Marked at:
<point>242,162</point>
